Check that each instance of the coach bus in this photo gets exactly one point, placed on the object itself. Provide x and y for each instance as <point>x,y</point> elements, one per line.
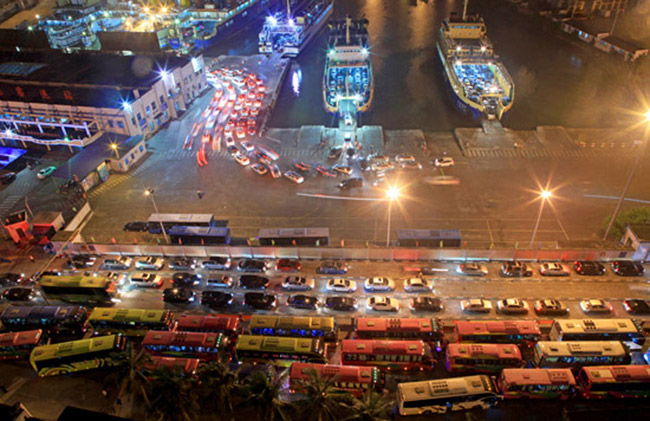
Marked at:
<point>68,321</point>
<point>201,345</point>
<point>170,220</point>
<point>297,327</point>
<point>576,354</point>
<point>489,358</point>
<point>294,237</point>
<point>180,234</point>
<point>129,322</point>
<point>388,355</point>
<point>624,330</point>
<point>617,381</point>
<point>544,383</point>
<point>84,354</point>
<point>17,345</point>
<point>522,332</point>
<point>351,379</point>
<point>428,238</point>
<point>257,349</point>
<point>439,396</point>
<point>186,366</point>
<point>80,289</point>
<point>425,329</point>
<point>229,325</point>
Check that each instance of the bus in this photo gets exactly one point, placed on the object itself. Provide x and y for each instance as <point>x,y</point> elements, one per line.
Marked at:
<point>544,383</point>
<point>488,358</point>
<point>624,330</point>
<point>181,234</point>
<point>187,366</point>
<point>69,321</point>
<point>84,354</point>
<point>169,220</point>
<point>17,345</point>
<point>279,351</point>
<point>428,238</point>
<point>129,322</point>
<point>80,289</point>
<point>521,332</point>
<point>229,325</point>
<point>576,354</point>
<point>294,237</point>
<point>615,381</point>
<point>425,329</point>
<point>439,396</point>
<point>388,355</point>
<point>201,345</point>
<point>297,327</point>
<point>351,379</point>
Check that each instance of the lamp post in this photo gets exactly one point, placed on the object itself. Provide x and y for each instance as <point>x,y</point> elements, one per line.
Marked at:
<point>391,194</point>
<point>114,147</point>
<point>149,193</point>
<point>544,195</point>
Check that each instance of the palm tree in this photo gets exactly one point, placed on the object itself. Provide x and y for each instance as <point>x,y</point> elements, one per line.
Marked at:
<point>372,406</point>
<point>219,386</point>
<point>175,396</point>
<point>322,401</point>
<point>262,391</point>
<point>132,384</point>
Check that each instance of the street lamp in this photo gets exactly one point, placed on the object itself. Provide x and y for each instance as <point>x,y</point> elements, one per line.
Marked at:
<point>114,147</point>
<point>391,194</point>
<point>544,195</point>
<point>149,193</point>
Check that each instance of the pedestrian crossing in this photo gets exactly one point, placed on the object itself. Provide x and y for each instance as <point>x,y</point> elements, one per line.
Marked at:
<point>7,205</point>
<point>541,153</point>
<point>288,152</point>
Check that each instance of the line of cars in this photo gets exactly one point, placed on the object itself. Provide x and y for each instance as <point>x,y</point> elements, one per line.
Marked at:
<point>551,307</point>
<point>583,267</point>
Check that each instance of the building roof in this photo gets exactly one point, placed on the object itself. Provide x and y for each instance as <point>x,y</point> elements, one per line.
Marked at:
<point>595,26</point>
<point>87,160</point>
<point>623,44</point>
<point>45,217</point>
<point>641,231</point>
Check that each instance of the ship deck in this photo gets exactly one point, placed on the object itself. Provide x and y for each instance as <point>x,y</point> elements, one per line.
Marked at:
<point>478,79</point>
<point>353,80</point>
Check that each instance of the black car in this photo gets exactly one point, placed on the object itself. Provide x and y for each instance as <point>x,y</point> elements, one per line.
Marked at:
<point>80,261</point>
<point>588,268</point>
<point>259,300</point>
<point>137,226</point>
<point>10,279</point>
<point>515,269</point>
<point>350,183</point>
<point>341,303</point>
<point>332,267</point>
<point>179,295</point>
<point>216,263</point>
<point>627,268</point>
<point>251,265</point>
<point>182,263</point>
<point>216,299</point>
<point>186,279</point>
<point>636,306</point>
<point>19,294</point>
<point>303,302</point>
<point>7,178</point>
<point>550,308</point>
<point>426,304</point>
<point>253,282</point>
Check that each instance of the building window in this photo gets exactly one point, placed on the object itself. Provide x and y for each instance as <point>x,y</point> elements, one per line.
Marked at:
<point>139,117</point>
<point>133,120</point>
<point>120,124</point>
<point>170,92</point>
<point>148,109</point>
<point>141,148</point>
<point>153,105</point>
<point>132,156</point>
<point>162,100</point>
<point>126,161</point>
<point>110,123</point>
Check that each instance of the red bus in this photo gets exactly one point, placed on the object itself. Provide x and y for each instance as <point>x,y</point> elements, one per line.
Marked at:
<point>425,329</point>
<point>16,345</point>
<point>545,383</point>
<point>615,381</point>
<point>389,355</point>
<point>226,324</point>
<point>487,358</point>
<point>523,332</point>
<point>201,345</point>
<point>352,379</point>
<point>186,365</point>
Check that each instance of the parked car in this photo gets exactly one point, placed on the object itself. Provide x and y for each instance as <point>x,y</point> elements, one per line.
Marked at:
<point>341,303</point>
<point>445,161</point>
<point>252,265</point>
<point>298,283</point>
<point>80,261</point>
<point>596,307</point>
<point>216,263</point>
<point>216,299</point>
<point>294,176</point>
<point>259,300</point>
<point>417,285</point>
<point>146,279</point>
<point>19,294</point>
<point>186,279</point>
<point>512,306</point>
<point>341,285</point>
<point>253,282</point>
<point>288,265</point>
<point>627,268</point>
<point>472,269</point>
<point>554,269</point>
<point>379,284</point>
<point>426,304</point>
<point>7,178</point>
<point>182,263</point>
<point>550,308</point>
<point>382,303</point>
<point>119,263</point>
<point>589,268</point>
<point>222,281</point>
<point>476,305</point>
<point>303,302</point>
<point>10,279</point>
<point>403,157</point>
<point>150,263</point>
<point>179,295</point>
<point>636,306</point>
<point>45,172</point>
<point>515,269</point>
<point>333,267</point>
<point>136,226</point>
<point>411,165</point>
<point>350,183</point>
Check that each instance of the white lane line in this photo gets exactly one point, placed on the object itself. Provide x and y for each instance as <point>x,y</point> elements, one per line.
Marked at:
<point>489,231</point>
<point>597,196</point>
<point>325,196</point>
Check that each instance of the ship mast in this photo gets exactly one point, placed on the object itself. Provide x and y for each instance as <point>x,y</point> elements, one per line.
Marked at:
<point>465,10</point>
<point>288,9</point>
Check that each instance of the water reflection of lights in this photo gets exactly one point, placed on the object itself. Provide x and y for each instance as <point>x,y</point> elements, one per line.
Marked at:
<point>296,80</point>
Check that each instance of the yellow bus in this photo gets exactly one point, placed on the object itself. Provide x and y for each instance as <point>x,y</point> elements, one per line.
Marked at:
<point>129,322</point>
<point>80,289</point>
<point>323,328</point>
<point>279,351</point>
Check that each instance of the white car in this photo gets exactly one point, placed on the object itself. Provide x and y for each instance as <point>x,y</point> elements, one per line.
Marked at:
<point>476,305</point>
<point>248,146</point>
<point>298,283</point>
<point>242,160</point>
<point>472,269</point>
<point>417,285</point>
<point>444,162</point>
<point>240,132</point>
<point>512,306</point>
<point>554,269</point>
<point>379,283</point>
<point>150,263</point>
<point>382,304</point>
<point>382,166</point>
<point>294,176</point>
<point>404,157</point>
<point>275,171</point>
<point>596,306</point>
<point>230,141</point>
<point>45,172</point>
<point>341,285</point>
<point>259,168</point>
<point>146,279</point>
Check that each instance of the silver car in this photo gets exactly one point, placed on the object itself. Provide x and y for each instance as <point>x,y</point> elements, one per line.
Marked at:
<point>298,283</point>
<point>417,285</point>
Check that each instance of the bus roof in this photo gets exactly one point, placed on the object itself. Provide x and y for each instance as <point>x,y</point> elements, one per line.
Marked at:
<point>568,348</point>
<point>541,376</point>
<point>198,231</point>
<point>385,324</point>
<point>342,373</point>
<point>66,349</point>
<point>194,218</point>
<point>617,373</point>
<point>324,323</point>
<point>477,350</point>
<point>363,346</point>
<point>38,313</point>
<point>28,337</point>
<point>163,337</point>
<point>428,389</point>
<point>75,281</point>
<point>596,325</point>
<point>293,232</point>
<point>208,323</point>
<point>522,327</point>
<point>274,343</point>
<point>128,315</point>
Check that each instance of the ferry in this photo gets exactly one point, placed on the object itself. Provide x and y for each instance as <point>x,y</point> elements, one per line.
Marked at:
<point>287,34</point>
<point>348,85</point>
<point>479,81</point>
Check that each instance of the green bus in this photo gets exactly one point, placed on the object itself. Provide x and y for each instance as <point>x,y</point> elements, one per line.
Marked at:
<point>80,289</point>
<point>129,322</point>
<point>85,354</point>
<point>280,351</point>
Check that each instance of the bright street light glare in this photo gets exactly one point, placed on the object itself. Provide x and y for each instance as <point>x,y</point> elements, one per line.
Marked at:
<point>647,115</point>
<point>392,193</point>
<point>545,194</point>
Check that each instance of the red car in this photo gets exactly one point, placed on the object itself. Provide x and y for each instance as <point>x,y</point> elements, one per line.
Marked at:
<point>325,171</point>
<point>301,166</point>
<point>288,265</point>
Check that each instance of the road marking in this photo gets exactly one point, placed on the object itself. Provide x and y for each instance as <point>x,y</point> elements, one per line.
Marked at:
<point>325,196</point>
<point>566,235</point>
<point>487,221</point>
<point>596,196</point>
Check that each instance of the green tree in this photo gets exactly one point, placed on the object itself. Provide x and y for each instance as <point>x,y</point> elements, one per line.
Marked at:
<point>638,215</point>
<point>372,406</point>
<point>175,397</point>
<point>219,387</point>
<point>133,386</point>
<point>322,401</point>
<point>262,391</point>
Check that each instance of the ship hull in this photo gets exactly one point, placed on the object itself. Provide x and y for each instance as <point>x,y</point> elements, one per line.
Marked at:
<point>458,99</point>
<point>313,29</point>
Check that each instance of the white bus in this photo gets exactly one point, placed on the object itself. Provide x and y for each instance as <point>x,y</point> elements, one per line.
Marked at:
<point>452,394</point>
<point>576,354</point>
<point>169,220</point>
<point>624,330</point>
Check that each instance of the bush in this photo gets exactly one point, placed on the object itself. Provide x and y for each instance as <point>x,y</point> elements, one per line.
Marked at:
<point>639,215</point>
